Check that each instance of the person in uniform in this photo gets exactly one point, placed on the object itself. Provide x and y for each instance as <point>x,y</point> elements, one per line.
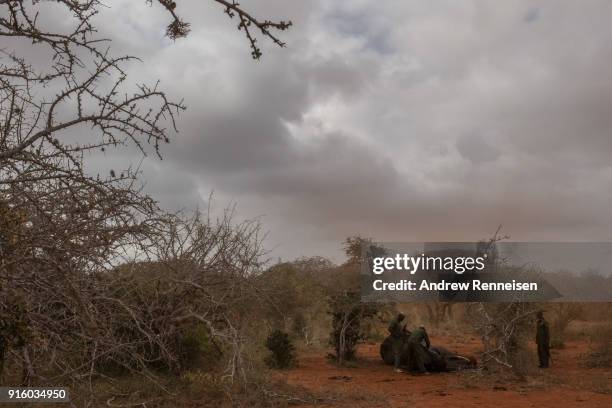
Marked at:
<point>418,346</point>
<point>542,339</point>
<point>397,329</point>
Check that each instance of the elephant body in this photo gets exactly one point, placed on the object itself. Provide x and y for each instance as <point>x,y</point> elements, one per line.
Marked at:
<point>441,359</point>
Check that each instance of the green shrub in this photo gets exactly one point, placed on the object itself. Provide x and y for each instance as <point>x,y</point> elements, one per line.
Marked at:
<point>282,350</point>
<point>196,348</point>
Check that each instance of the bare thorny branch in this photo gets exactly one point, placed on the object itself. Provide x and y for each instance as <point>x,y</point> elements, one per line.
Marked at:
<point>81,64</point>
<point>500,325</point>
<point>178,28</point>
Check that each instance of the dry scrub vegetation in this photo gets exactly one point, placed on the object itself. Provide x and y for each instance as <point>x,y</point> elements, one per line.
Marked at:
<point>126,304</point>
<point>98,286</point>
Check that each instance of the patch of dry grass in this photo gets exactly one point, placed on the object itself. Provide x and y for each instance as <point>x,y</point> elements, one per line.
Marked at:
<point>600,348</point>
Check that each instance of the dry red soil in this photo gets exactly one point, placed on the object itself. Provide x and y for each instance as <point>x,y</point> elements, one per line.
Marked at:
<point>372,384</point>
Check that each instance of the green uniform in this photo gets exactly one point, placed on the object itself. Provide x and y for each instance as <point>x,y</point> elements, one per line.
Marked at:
<point>396,329</point>
<point>418,344</point>
<point>543,342</point>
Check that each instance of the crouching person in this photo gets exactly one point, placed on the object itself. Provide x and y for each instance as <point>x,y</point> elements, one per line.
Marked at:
<point>418,354</point>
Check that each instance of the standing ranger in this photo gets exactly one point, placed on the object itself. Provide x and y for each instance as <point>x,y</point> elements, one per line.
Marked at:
<point>542,339</point>
<point>398,334</point>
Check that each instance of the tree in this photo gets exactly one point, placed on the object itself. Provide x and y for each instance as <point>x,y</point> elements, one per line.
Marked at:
<point>73,295</point>
<point>352,248</point>
<point>345,306</point>
<point>348,313</point>
<point>504,327</point>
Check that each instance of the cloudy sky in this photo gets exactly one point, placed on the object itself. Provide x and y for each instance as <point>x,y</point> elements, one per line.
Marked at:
<point>397,120</point>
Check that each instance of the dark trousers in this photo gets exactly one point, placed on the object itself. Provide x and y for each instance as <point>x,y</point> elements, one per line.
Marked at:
<point>543,355</point>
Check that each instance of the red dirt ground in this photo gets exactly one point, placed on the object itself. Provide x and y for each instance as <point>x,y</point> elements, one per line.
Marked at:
<point>373,384</point>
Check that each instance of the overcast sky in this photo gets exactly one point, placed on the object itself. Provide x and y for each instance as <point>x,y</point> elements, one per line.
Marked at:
<point>397,120</point>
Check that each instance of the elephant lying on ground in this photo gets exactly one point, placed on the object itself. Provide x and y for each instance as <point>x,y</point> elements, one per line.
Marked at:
<point>440,359</point>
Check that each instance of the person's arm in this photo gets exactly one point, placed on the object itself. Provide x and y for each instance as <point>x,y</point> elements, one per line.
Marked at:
<point>426,336</point>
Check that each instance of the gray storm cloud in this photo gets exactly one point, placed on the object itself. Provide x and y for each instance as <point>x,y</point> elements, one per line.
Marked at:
<point>396,120</point>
